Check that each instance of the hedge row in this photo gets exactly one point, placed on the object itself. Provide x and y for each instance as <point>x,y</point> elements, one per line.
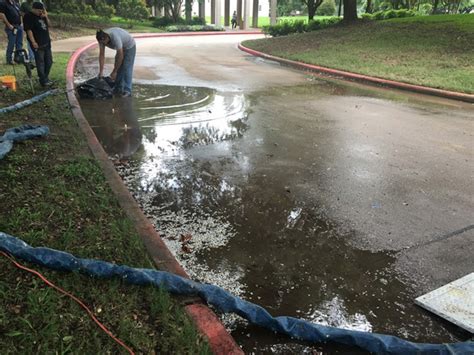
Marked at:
<point>385,15</point>
<point>168,21</point>
<point>194,28</point>
<point>287,27</point>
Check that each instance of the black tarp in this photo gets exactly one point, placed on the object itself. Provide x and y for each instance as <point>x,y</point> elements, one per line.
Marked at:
<point>96,88</point>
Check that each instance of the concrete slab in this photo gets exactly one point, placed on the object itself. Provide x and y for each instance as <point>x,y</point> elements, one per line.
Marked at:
<point>454,302</point>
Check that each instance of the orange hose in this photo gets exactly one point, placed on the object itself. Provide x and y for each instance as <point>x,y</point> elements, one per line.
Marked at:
<point>49,283</point>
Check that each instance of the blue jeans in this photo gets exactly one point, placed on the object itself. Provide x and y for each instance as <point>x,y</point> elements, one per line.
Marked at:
<point>44,62</point>
<point>14,42</point>
<point>31,54</point>
<point>123,82</point>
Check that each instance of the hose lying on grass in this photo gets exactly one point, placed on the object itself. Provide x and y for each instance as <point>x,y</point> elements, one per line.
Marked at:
<point>28,102</point>
<point>226,303</point>
<point>74,298</point>
<point>18,134</point>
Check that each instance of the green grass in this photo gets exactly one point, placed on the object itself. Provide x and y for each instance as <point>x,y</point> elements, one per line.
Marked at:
<point>435,51</point>
<point>54,194</point>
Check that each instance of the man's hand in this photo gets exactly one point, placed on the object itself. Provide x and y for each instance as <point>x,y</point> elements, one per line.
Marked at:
<point>113,75</point>
<point>44,13</point>
<point>34,45</point>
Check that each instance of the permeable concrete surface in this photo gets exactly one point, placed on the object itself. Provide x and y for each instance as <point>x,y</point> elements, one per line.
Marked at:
<point>316,198</point>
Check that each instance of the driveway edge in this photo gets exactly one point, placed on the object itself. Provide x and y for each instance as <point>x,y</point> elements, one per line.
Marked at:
<point>206,321</point>
<point>363,78</point>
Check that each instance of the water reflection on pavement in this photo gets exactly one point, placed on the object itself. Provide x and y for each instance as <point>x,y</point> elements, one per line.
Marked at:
<point>238,185</point>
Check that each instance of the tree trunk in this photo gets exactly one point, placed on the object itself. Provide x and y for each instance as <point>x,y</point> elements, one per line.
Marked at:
<point>311,10</point>
<point>435,6</point>
<point>369,8</point>
<point>339,12</point>
<point>188,7</point>
<point>350,10</point>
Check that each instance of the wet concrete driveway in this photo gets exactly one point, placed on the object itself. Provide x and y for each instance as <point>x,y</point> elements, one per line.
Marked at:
<point>320,199</point>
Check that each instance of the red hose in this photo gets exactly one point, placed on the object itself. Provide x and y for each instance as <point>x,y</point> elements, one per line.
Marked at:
<point>49,283</point>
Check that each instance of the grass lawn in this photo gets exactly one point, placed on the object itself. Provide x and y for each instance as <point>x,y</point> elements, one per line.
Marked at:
<point>53,194</point>
<point>435,51</point>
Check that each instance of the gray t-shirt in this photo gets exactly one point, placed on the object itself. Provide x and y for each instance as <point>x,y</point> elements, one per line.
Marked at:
<point>119,38</point>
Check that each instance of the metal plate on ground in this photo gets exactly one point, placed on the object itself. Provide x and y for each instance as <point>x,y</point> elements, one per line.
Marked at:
<point>454,302</point>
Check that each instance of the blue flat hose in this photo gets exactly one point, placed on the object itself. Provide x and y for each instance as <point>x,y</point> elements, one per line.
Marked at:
<point>28,102</point>
<point>227,303</point>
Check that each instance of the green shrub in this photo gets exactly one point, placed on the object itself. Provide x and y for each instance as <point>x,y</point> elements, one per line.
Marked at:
<point>367,16</point>
<point>327,8</point>
<point>385,15</point>
<point>389,14</point>
<point>194,28</point>
<point>405,13</point>
<point>379,15</point>
<point>425,9</point>
<point>198,21</point>
<point>103,10</point>
<point>166,21</point>
<point>299,26</point>
<point>133,10</point>
<point>284,28</point>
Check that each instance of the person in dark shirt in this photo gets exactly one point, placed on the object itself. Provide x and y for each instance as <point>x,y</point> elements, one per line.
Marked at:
<point>10,16</point>
<point>37,28</point>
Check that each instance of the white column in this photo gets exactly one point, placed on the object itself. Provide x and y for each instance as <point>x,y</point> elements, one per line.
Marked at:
<point>246,14</point>
<point>218,12</point>
<point>273,12</point>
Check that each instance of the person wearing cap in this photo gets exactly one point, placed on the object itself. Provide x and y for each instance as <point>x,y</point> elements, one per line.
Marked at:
<point>37,25</point>
<point>124,44</point>
<point>10,16</point>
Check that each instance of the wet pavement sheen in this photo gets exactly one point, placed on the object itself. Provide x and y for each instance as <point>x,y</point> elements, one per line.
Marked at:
<point>302,198</point>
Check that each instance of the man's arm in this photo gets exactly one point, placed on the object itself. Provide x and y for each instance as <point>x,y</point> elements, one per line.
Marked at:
<point>32,39</point>
<point>101,59</point>
<point>45,16</point>
<point>5,21</point>
<point>118,63</point>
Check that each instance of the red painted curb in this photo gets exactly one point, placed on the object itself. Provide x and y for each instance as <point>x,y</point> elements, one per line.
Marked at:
<point>205,319</point>
<point>363,78</point>
<point>208,323</point>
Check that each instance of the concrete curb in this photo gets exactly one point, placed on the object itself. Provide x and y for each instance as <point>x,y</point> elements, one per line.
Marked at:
<point>363,78</point>
<point>220,341</point>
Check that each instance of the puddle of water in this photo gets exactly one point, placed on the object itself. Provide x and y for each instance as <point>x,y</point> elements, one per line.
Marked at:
<point>232,193</point>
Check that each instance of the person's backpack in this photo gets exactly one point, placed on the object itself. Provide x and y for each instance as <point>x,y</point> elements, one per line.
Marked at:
<point>97,89</point>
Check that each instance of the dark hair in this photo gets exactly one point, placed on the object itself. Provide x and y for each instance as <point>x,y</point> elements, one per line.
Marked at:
<point>25,7</point>
<point>101,35</point>
<point>37,5</point>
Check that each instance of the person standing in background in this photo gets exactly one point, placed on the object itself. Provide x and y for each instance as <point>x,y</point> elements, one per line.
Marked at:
<point>37,28</point>
<point>234,20</point>
<point>10,16</point>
